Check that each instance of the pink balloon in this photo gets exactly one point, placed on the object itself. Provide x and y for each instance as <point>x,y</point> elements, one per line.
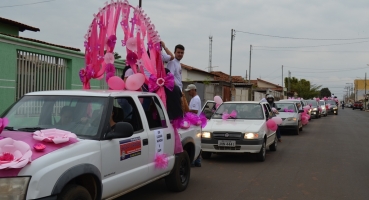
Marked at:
<point>218,100</point>
<point>135,81</point>
<point>271,125</point>
<point>116,83</point>
<point>277,120</point>
<point>131,44</point>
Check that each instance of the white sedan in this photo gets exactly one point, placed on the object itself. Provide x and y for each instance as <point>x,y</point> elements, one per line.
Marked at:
<point>239,127</point>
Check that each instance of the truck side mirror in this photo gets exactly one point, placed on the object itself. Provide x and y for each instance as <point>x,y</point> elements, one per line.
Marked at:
<point>121,130</point>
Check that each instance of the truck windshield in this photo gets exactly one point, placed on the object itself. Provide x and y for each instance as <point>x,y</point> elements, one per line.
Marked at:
<point>77,114</point>
<point>243,110</point>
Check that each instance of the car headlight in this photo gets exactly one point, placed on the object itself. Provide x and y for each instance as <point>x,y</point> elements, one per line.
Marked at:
<point>335,108</point>
<point>13,188</point>
<point>251,135</point>
<point>315,109</point>
<point>291,119</point>
<point>205,135</point>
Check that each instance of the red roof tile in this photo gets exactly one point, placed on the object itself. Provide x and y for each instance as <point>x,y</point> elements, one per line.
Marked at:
<point>21,26</point>
<point>187,67</point>
<point>225,77</point>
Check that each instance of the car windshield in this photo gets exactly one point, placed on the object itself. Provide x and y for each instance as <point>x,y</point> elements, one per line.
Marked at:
<point>243,110</point>
<point>79,115</point>
<point>286,107</point>
<point>312,103</point>
<point>321,103</point>
<point>331,102</point>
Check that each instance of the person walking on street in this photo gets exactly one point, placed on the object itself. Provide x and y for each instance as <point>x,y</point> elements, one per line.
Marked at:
<point>175,66</point>
<point>195,107</point>
<point>270,99</point>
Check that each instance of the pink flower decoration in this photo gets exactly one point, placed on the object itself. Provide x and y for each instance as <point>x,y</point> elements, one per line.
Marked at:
<point>14,154</point>
<point>131,58</point>
<point>226,116</point>
<point>185,124</point>
<point>3,123</point>
<point>111,41</point>
<point>131,44</point>
<point>53,135</point>
<point>161,161</point>
<point>109,58</point>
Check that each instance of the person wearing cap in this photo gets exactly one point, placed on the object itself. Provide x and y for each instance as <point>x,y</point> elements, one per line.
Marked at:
<point>195,107</point>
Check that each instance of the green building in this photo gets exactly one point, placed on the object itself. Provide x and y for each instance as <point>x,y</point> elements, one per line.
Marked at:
<point>28,65</point>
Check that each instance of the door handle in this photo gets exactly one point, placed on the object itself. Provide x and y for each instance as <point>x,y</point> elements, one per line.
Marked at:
<point>145,142</point>
<point>169,136</point>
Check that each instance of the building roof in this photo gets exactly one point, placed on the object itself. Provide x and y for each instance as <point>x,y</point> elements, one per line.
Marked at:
<point>189,68</point>
<point>22,27</point>
<point>255,82</point>
<point>42,42</point>
<point>221,76</point>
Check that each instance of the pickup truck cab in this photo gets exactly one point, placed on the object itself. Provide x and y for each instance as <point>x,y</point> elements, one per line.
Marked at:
<point>119,134</point>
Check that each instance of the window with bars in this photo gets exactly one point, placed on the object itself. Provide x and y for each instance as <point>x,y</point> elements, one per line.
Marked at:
<point>37,72</point>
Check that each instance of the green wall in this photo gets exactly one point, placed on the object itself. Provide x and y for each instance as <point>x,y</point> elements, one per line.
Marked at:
<point>8,66</point>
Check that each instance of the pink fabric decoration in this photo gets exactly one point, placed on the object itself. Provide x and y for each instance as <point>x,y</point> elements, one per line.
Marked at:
<point>14,154</point>
<point>218,100</point>
<point>277,120</point>
<point>3,123</point>
<point>111,42</point>
<point>192,118</point>
<point>39,147</point>
<point>110,71</point>
<point>135,81</point>
<point>185,124</point>
<point>109,58</point>
<point>155,83</point>
<point>178,144</point>
<point>161,161</point>
<point>271,125</point>
<point>226,116</point>
<point>288,110</point>
<point>317,99</point>
<point>203,119</point>
<point>56,136</point>
<point>131,58</point>
<point>116,83</point>
<point>131,44</point>
<point>325,98</point>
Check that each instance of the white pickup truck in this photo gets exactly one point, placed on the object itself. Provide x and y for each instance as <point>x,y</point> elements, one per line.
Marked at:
<point>117,140</point>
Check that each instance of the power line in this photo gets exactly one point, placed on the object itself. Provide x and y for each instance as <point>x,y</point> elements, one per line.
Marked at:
<point>297,38</point>
<point>324,45</point>
<point>26,4</point>
<point>326,69</point>
<point>311,51</point>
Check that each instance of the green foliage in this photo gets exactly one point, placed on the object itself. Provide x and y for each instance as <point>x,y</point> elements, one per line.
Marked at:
<point>303,88</point>
<point>325,92</point>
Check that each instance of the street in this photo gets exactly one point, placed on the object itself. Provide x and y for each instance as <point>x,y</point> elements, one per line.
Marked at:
<point>328,160</point>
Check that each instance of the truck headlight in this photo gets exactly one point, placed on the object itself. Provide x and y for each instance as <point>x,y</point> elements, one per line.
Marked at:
<point>251,135</point>
<point>205,135</point>
<point>291,119</point>
<point>13,188</point>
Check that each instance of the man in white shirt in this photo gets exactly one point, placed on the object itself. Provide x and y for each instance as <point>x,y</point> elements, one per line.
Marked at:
<point>195,107</point>
<point>175,66</point>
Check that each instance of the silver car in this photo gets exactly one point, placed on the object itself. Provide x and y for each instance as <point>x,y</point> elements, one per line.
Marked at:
<point>290,115</point>
<point>324,109</point>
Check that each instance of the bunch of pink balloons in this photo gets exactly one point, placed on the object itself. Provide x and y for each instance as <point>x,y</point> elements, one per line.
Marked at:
<point>271,125</point>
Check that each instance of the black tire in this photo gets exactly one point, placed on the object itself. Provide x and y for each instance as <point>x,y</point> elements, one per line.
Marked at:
<point>297,131</point>
<point>206,155</point>
<point>300,129</point>
<point>74,192</point>
<point>353,108</point>
<point>273,147</point>
<point>179,178</point>
<point>261,155</point>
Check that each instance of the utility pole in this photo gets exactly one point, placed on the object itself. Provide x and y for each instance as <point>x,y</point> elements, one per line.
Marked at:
<point>210,53</point>
<point>230,65</point>
<point>282,83</point>
<point>289,82</point>
<point>140,3</point>
<point>250,65</point>
<point>365,93</point>
<point>246,75</point>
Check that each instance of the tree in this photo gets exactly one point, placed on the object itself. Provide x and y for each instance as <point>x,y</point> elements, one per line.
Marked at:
<point>325,92</point>
<point>303,88</point>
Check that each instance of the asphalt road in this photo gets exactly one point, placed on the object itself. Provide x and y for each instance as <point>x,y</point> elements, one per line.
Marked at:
<point>328,160</point>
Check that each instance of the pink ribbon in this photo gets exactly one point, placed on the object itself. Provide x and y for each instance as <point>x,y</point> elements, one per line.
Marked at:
<point>226,116</point>
<point>155,83</point>
<point>287,110</point>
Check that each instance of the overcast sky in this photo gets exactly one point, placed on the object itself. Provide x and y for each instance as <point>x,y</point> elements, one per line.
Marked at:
<point>190,22</point>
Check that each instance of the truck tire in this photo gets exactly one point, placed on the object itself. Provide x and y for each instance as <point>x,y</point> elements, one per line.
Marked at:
<point>262,154</point>
<point>74,192</point>
<point>179,178</point>
<point>206,155</point>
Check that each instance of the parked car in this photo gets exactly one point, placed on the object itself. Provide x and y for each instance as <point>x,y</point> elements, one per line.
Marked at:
<point>333,109</point>
<point>245,132</point>
<point>315,112</point>
<point>104,162</point>
<point>358,105</point>
<point>323,107</point>
<point>291,117</point>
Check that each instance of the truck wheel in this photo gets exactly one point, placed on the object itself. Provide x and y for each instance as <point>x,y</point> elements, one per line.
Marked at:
<point>261,155</point>
<point>74,192</point>
<point>273,147</point>
<point>179,178</point>
<point>206,155</point>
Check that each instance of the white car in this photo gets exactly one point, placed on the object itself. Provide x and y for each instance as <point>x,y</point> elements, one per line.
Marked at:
<point>106,160</point>
<point>290,115</point>
<point>245,132</point>
<point>324,109</point>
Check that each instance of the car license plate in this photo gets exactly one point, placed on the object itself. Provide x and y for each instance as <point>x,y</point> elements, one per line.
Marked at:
<point>226,143</point>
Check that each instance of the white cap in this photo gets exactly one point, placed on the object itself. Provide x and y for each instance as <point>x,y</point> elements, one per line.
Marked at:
<point>190,87</point>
